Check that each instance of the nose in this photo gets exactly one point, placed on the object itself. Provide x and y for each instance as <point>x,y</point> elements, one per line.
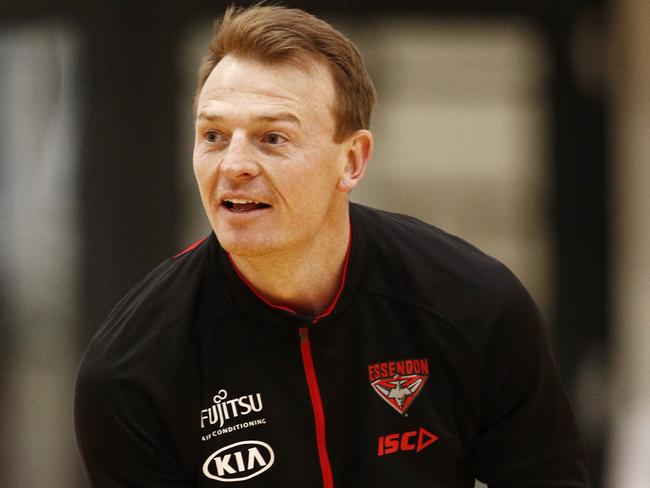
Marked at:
<point>238,161</point>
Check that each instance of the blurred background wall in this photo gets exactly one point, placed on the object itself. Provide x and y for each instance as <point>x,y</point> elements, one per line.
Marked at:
<point>523,127</point>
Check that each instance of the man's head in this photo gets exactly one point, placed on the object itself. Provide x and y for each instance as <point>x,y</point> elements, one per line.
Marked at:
<point>278,142</point>
<point>273,34</point>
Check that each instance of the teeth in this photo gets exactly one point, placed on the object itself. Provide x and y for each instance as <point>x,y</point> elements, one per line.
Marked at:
<point>238,201</point>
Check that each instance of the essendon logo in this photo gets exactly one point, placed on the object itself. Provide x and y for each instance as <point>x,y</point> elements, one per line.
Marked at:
<point>398,383</point>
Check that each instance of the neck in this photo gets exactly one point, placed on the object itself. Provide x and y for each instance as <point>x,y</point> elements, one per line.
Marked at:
<point>306,281</point>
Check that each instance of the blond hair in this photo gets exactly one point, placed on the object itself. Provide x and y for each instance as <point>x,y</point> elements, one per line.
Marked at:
<point>274,34</point>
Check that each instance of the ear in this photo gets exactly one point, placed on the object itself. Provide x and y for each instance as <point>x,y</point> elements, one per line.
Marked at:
<point>358,154</point>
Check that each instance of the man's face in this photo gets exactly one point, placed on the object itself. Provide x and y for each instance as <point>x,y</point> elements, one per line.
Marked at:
<point>265,159</point>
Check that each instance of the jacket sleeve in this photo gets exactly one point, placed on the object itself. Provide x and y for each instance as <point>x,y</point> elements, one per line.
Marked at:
<point>120,432</point>
<point>527,436</point>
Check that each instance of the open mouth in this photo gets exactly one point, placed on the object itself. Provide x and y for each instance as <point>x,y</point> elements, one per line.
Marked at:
<point>241,206</point>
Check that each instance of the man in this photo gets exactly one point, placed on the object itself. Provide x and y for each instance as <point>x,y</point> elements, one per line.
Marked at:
<point>308,341</point>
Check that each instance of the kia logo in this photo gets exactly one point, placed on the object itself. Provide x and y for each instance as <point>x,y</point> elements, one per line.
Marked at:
<point>239,461</point>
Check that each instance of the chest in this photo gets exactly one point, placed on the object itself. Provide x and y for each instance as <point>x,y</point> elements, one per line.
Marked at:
<point>381,395</point>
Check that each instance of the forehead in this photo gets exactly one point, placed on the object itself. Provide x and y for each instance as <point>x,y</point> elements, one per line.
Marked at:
<point>305,88</point>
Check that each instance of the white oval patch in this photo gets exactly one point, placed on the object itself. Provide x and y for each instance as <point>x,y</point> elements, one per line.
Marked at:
<point>239,461</point>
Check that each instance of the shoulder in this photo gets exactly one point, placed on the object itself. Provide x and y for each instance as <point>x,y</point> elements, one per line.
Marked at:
<point>426,267</point>
<point>421,255</point>
<point>150,330</point>
<point>136,375</point>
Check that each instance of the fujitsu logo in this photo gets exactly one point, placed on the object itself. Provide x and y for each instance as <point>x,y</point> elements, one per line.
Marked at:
<point>398,383</point>
<point>239,461</point>
<point>223,409</point>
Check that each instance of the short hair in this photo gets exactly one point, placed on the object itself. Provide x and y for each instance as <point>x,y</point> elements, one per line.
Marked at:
<point>275,34</point>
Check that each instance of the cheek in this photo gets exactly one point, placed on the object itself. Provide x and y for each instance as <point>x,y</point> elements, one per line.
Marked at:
<point>205,172</point>
<point>196,163</point>
<point>313,187</point>
<point>324,173</point>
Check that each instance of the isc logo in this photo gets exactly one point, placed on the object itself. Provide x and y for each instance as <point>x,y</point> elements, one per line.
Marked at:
<point>239,461</point>
<point>408,441</point>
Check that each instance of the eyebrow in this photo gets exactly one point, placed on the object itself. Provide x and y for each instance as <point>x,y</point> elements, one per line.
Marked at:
<point>274,117</point>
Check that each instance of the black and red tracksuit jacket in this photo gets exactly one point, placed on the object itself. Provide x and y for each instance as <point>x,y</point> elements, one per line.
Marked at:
<point>430,369</point>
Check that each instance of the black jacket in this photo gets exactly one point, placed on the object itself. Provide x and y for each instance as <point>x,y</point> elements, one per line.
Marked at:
<point>430,369</point>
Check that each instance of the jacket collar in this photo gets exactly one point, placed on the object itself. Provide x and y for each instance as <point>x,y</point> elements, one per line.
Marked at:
<point>244,301</point>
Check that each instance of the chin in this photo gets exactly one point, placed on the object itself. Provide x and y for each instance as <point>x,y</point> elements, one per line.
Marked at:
<point>243,246</point>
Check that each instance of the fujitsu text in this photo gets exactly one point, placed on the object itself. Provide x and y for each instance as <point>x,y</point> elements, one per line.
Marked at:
<point>223,409</point>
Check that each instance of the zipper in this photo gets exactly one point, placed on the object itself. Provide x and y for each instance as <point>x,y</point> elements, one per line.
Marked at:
<point>317,405</point>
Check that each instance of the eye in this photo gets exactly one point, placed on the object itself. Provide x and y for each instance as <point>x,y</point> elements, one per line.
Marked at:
<point>273,138</point>
<point>212,136</point>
